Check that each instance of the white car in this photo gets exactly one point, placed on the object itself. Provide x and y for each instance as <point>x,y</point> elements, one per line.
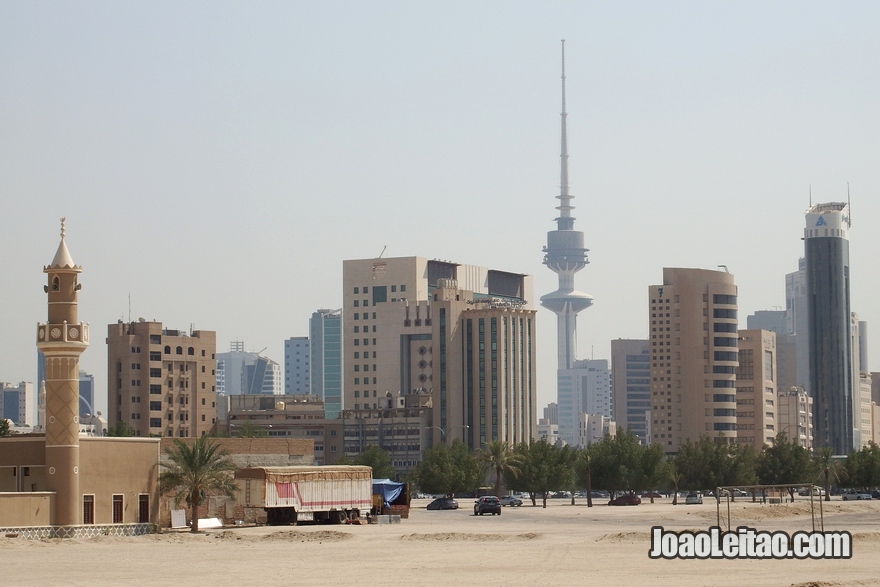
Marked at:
<point>510,500</point>
<point>693,498</point>
<point>853,495</point>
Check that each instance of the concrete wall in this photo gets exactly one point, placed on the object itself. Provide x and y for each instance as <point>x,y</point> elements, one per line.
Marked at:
<point>26,509</point>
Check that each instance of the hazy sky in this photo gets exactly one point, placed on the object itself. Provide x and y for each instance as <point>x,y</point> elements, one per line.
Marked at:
<point>217,161</point>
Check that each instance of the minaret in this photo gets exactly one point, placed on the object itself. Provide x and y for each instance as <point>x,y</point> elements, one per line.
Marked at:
<point>565,255</point>
<point>62,339</point>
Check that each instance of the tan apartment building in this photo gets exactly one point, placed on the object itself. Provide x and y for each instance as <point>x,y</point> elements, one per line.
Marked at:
<point>794,415</point>
<point>693,349</point>
<point>286,416</point>
<point>161,382</point>
<point>463,334</point>
<point>756,389</point>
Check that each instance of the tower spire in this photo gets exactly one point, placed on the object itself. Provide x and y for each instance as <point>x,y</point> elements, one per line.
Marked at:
<point>564,222</point>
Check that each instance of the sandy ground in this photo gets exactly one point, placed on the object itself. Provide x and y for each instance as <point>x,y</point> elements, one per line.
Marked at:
<point>560,545</point>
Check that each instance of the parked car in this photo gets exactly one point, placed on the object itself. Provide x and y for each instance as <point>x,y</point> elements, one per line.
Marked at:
<point>875,494</point>
<point>853,495</point>
<point>510,500</point>
<point>693,497</point>
<point>443,503</point>
<point>599,494</point>
<point>626,500</point>
<point>805,492</point>
<point>649,494</point>
<point>487,504</point>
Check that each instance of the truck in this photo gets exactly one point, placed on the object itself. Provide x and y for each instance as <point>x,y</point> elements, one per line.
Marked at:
<point>333,493</point>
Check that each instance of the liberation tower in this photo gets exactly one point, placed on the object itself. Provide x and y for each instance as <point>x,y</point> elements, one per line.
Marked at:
<point>565,255</point>
<point>62,339</point>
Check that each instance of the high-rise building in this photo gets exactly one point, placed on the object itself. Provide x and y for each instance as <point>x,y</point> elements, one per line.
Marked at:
<point>325,356</point>
<point>462,333</point>
<point>631,386</point>
<point>565,255</point>
<point>794,415</point>
<point>296,366</point>
<point>161,381</point>
<point>693,336</point>
<point>585,388</point>
<point>551,413</point>
<point>18,402</point>
<point>756,390</point>
<point>863,433</point>
<point>798,322</point>
<point>86,395</point>
<point>826,246</point>
<point>240,372</point>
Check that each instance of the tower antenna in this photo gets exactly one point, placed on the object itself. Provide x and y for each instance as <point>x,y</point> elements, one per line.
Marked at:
<point>565,206</point>
<point>129,307</point>
<point>811,195</point>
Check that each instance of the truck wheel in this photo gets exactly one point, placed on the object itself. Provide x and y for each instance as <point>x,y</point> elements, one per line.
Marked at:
<point>341,517</point>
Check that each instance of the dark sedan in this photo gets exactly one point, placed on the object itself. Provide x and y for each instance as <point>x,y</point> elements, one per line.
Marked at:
<point>626,500</point>
<point>443,503</point>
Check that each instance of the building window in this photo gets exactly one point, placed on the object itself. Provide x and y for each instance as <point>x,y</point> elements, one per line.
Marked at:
<point>88,509</point>
<point>179,350</point>
<point>143,509</point>
<point>357,303</point>
<point>117,509</point>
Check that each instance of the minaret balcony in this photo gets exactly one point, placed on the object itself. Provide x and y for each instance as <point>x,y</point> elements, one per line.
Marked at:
<point>63,333</point>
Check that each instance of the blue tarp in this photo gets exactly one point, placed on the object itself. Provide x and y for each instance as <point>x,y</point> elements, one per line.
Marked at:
<point>388,489</point>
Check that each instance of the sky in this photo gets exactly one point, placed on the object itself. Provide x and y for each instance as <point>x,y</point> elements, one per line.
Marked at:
<point>217,161</point>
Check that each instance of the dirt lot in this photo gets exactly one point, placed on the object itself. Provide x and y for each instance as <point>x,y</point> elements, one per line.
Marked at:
<point>560,545</point>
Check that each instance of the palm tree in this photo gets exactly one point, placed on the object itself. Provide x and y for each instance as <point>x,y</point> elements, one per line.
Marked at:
<point>829,469</point>
<point>196,472</point>
<point>497,456</point>
<point>675,477</point>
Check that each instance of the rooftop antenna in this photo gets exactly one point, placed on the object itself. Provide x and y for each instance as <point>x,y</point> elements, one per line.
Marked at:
<point>811,195</point>
<point>726,270</point>
<point>383,251</point>
<point>129,307</point>
<point>849,206</point>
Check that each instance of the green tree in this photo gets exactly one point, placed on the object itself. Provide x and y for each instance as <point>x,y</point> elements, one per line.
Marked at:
<point>543,467</point>
<point>707,464</point>
<point>830,470</point>
<point>622,464</point>
<point>5,428</point>
<point>251,430</point>
<point>121,429</point>
<point>377,458</point>
<point>193,473</point>
<point>448,470</point>
<point>863,466</point>
<point>497,457</point>
<point>785,462</point>
<point>675,476</point>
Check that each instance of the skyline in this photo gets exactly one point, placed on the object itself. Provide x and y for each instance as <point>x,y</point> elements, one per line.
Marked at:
<point>218,167</point>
